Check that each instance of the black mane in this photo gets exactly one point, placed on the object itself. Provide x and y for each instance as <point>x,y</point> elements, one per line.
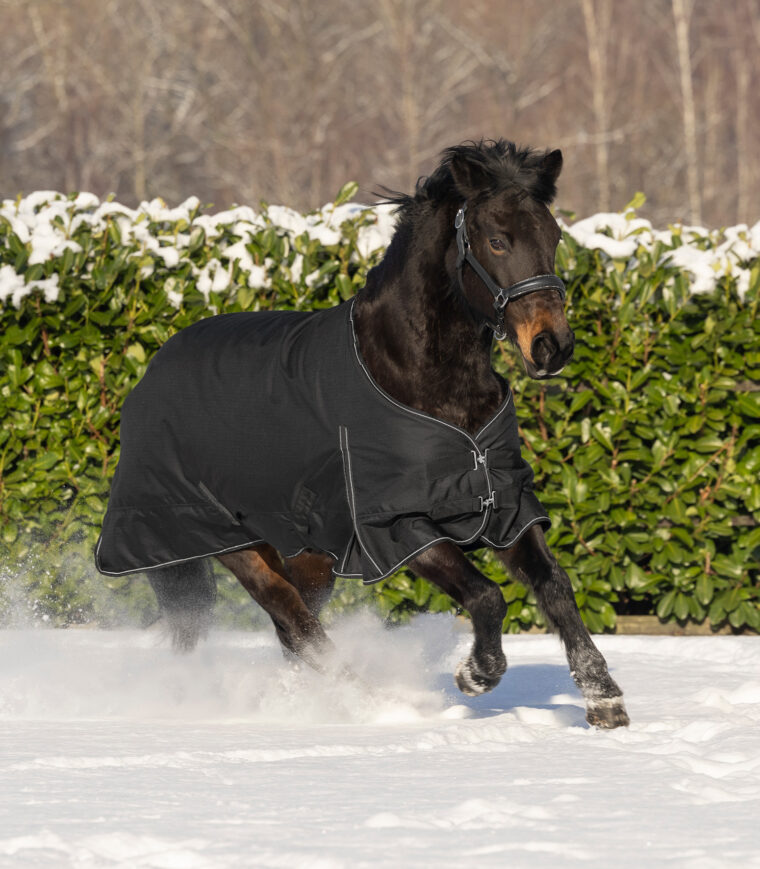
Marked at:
<point>493,167</point>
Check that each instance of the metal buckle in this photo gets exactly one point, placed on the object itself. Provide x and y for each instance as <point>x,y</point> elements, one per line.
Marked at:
<point>490,501</point>
<point>459,219</point>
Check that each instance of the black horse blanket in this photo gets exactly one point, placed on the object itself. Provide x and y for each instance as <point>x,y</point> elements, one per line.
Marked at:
<point>268,426</point>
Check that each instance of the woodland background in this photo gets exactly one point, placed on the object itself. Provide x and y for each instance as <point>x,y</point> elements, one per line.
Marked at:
<point>285,100</point>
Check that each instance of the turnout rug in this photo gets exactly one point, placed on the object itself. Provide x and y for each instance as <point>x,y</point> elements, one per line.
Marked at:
<point>253,427</point>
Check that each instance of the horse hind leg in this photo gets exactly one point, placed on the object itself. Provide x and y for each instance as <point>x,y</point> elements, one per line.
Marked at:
<point>311,573</point>
<point>186,594</point>
<point>260,571</point>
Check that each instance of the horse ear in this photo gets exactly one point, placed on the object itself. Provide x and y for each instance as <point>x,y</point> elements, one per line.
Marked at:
<point>552,164</point>
<point>469,177</point>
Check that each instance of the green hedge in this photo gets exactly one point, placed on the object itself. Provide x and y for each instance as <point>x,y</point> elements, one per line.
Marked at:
<point>646,451</point>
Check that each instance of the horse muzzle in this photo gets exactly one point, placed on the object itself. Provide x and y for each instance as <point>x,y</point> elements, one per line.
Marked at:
<point>549,353</point>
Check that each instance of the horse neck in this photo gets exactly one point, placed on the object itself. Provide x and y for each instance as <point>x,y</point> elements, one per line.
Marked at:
<point>418,340</point>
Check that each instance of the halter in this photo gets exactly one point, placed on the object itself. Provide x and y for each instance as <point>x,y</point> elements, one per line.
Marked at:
<point>502,296</point>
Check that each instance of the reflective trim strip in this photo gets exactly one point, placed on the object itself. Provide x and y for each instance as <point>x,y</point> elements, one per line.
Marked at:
<point>519,534</point>
<point>195,557</point>
<point>168,563</point>
<point>421,549</point>
<point>480,457</point>
<point>410,410</point>
<point>505,404</point>
<point>345,452</point>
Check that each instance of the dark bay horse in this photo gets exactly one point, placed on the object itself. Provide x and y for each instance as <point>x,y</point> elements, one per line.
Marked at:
<point>472,258</point>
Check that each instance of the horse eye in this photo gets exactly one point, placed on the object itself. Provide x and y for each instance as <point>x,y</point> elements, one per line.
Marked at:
<point>497,245</point>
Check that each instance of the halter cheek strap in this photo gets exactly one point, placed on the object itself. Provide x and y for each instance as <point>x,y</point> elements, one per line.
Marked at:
<point>502,296</point>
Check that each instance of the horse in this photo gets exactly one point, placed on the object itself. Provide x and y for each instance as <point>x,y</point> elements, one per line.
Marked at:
<point>297,446</point>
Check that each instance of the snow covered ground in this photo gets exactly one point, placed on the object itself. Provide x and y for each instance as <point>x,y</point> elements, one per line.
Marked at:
<point>115,753</point>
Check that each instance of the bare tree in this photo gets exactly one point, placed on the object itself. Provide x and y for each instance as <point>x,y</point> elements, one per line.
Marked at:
<point>597,18</point>
<point>742,49</point>
<point>681,16</point>
<point>285,100</point>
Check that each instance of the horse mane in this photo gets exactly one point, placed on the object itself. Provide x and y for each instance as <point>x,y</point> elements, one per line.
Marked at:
<point>499,166</point>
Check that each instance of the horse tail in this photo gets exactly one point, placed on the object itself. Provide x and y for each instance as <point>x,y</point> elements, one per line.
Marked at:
<point>186,594</point>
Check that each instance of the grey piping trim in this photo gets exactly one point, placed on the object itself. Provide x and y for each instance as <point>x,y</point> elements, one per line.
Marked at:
<point>427,545</point>
<point>304,548</point>
<point>349,493</point>
<point>346,453</point>
<point>411,410</point>
<point>168,563</point>
<point>504,405</point>
<point>433,419</point>
<point>338,571</point>
<point>491,503</point>
<point>347,471</point>
<point>193,557</point>
<point>519,534</point>
<point>451,540</point>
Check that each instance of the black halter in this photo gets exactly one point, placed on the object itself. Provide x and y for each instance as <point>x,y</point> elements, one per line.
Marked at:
<point>502,296</point>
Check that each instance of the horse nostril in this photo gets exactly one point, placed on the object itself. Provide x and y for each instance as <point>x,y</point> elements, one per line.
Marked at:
<point>543,350</point>
<point>566,349</point>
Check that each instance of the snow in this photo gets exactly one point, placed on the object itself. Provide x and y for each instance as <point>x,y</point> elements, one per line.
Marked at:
<point>13,286</point>
<point>590,234</point>
<point>702,254</point>
<point>46,223</point>
<point>700,263</point>
<point>212,277</point>
<point>116,753</point>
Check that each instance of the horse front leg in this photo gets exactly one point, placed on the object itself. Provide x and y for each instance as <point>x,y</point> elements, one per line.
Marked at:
<point>531,562</point>
<point>446,566</point>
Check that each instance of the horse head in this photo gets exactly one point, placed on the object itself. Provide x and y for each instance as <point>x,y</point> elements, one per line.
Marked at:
<point>506,239</point>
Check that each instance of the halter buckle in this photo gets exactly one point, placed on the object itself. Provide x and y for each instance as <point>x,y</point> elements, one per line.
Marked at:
<point>501,295</point>
<point>501,299</point>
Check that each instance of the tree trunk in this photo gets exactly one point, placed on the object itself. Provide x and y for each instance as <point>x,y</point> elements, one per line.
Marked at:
<point>596,38</point>
<point>681,16</point>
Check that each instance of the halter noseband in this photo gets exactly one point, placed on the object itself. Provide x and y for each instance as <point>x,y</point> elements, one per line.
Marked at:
<point>502,296</point>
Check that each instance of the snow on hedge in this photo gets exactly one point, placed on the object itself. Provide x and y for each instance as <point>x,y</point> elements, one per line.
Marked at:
<point>50,226</point>
<point>707,255</point>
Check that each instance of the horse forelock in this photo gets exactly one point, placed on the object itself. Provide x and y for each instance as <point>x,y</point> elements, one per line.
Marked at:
<point>494,167</point>
<point>471,172</point>
<point>500,165</point>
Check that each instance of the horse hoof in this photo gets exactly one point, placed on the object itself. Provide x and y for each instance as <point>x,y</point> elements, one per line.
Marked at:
<point>607,714</point>
<point>472,682</point>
